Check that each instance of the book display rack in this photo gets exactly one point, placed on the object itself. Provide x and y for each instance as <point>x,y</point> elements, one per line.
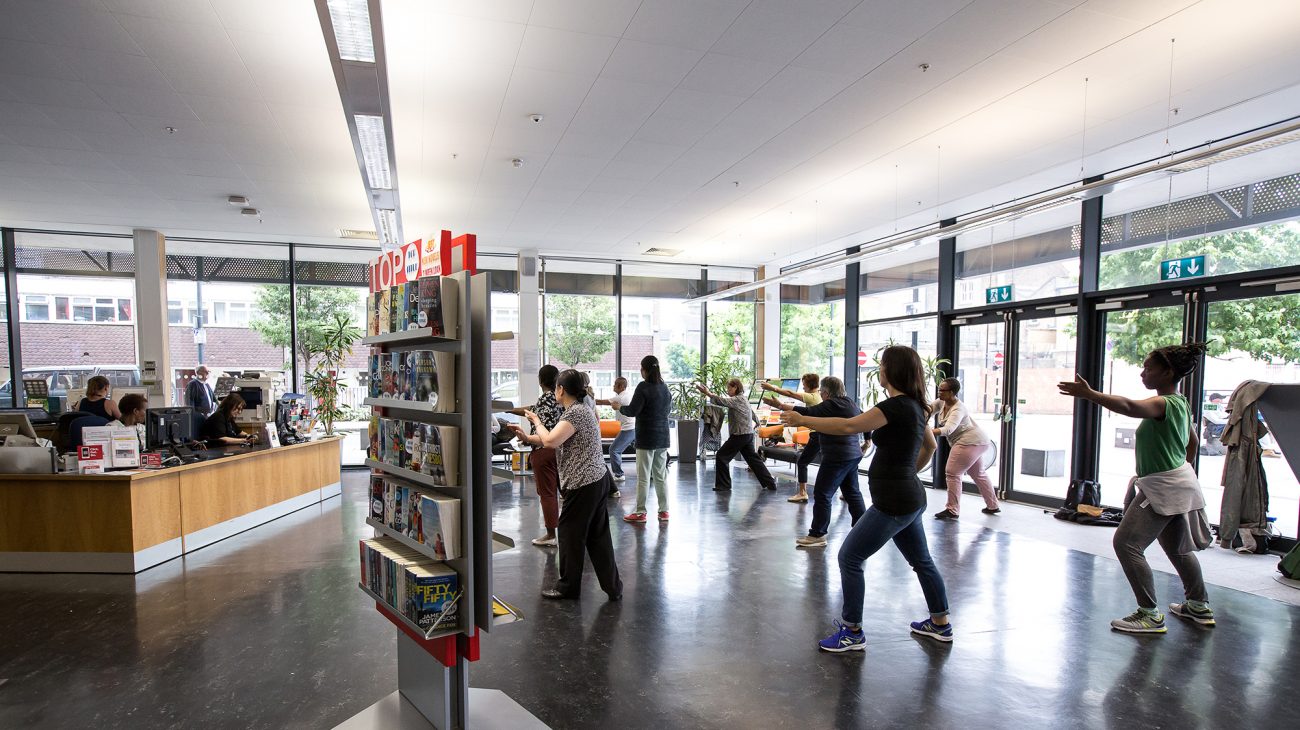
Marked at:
<point>429,566</point>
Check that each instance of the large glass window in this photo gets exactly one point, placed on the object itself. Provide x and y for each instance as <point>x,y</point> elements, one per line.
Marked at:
<point>1036,255</point>
<point>251,277</point>
<point>579,319</point>
<point>504,303</point>
<point>921,334</point>
<point>1240,215</point>
<point>731,322</point>
<point>900,282</point>
<point>72,290</point>
<point>812,324</point>
<point>657,320</point>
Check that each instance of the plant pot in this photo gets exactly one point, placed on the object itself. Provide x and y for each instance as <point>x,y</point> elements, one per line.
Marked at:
<point>688,439</point>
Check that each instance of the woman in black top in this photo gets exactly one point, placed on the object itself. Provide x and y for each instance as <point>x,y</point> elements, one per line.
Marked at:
<point>840,457</point>
<point>903,446</point>
<point>220,429</point>
<point>97,401</point>
<point>649,406</point>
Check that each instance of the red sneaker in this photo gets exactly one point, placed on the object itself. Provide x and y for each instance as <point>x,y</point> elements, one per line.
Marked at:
<point>663,516</point>
<point>634,517</point>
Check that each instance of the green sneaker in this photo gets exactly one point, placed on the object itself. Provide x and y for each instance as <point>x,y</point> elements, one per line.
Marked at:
<point>1203,616</point>
<point>1141,622</point>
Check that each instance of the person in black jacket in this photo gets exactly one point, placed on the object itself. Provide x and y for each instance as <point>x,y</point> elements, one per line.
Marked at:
<point>650,405</point>
<point>840,457</point>
<point>198,394</point>
<point>220,428</point>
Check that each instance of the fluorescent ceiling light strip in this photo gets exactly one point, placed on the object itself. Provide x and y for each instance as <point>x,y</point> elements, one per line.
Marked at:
<point>1070,194</point>
<point>351,21</point>
<point>374,150</point>
<point>388,226</point>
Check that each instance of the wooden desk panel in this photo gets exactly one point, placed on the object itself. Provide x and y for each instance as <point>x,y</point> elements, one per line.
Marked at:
<point>226,488</point>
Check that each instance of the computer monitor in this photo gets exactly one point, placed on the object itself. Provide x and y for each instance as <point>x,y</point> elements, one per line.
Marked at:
<point>166,427</point>
<point>16,424</point>
<point>791,384</point>
<point>756,392</point>
<point>252,396</point>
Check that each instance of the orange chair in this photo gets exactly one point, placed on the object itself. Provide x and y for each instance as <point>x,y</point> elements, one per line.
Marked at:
<point>609,429</point>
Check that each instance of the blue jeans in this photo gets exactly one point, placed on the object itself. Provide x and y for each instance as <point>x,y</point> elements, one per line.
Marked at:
<point>834,475</point>
<point>616,449</point>
<point>869,535</point>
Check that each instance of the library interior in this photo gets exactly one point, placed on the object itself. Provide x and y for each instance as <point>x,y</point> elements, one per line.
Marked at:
<point>717,364</point>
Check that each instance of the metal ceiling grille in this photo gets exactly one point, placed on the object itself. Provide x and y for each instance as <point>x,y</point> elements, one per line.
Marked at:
<point>257,271</point>
<point>74,261</point>
<point>1280,193</point>
<point>337,273</point>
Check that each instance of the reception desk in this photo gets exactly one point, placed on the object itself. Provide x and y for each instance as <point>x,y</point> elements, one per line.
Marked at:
<point>129,521</point>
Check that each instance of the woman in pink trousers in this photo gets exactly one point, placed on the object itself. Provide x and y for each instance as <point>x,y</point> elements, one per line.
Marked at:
<point>967,444</point>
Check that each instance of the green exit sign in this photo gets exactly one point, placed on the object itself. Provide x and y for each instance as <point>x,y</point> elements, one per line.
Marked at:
<point>1188,267</point>
<point>998,294</point>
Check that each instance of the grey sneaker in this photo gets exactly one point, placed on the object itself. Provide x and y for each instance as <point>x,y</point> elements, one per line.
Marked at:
<point>808,541</point>
<point>1204,616</point>
<point>1140,622</point>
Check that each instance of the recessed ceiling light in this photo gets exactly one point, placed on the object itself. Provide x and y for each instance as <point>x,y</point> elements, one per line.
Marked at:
<point>535,118</point>
<point>656,251</point>
<point>358,234</point>
<point>924,67</point>
<point>374,150</point>
<point>517,162</point>
<point>240,200</point>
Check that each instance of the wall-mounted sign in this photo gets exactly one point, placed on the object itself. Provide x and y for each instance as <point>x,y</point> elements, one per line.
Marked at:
<point>998,294</point>
<point>1188,267</point>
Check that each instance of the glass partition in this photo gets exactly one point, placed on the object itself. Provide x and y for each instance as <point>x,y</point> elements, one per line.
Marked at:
<point>1037,256</point>
<point>578,316</point>
<point>812,324</point>
<point>658,320</point>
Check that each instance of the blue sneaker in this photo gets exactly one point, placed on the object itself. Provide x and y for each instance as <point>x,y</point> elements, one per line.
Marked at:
<point>844,639</point>
<point>931,629</point>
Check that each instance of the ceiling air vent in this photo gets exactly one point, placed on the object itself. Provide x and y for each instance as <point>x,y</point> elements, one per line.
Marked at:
<point>358,234</point>
<point>655,251</point>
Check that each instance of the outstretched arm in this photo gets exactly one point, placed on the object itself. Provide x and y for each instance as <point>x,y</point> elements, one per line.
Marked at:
<point>1153,407</point>
<point>861,423</point>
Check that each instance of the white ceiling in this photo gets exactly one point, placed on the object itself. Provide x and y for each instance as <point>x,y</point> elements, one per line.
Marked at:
<point>654,110</point>
<point>87,89</point>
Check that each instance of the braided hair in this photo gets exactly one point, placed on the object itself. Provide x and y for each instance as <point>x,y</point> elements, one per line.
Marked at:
<point>1180,359</point>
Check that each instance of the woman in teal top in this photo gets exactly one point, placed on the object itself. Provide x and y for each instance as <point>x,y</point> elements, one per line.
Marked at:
<point>1165,495</point>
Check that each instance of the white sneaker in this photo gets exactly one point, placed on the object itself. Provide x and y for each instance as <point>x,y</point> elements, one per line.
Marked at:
<point>808,541</point>
<point>620,478</point>
<point>545,541</point>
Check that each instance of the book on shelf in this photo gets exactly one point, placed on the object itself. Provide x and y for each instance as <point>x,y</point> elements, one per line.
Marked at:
<point>414,585</point>
<point>421,516</point>
<point>438,306</point>
<point>422,376</point>
<point>395,308</point>
<point>383,306</point>
<point>411,305</point>
<point>420,447</point>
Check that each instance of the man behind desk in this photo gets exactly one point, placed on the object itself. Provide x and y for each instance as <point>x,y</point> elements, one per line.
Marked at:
<point>198,394</point>
<point>220,428</point>
<point>133,407</point>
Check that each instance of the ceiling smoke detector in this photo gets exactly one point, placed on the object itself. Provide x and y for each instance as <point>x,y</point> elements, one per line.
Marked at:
<point>517,162</point>
<point>249,211</point>
<point>665,252</point>
<point>239,200</point>
<point>535,118</point>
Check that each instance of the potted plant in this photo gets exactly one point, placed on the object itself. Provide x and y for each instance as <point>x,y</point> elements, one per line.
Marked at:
<point>872,392</point>
<point>323,382</point>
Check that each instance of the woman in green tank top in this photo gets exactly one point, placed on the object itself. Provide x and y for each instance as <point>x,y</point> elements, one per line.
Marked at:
<point>1165,496</point>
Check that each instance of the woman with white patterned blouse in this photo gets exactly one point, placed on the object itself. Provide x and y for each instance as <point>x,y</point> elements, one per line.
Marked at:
<point>584,484</point>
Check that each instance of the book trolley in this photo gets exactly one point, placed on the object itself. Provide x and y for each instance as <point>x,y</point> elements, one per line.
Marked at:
<point>433,665</point>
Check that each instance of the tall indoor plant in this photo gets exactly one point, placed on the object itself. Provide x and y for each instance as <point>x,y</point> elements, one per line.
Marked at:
<point>688,403</point>
<point>933,366</point>
<point>323,382</point>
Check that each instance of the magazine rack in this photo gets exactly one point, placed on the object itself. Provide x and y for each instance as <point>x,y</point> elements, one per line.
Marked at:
<point>433,666</point>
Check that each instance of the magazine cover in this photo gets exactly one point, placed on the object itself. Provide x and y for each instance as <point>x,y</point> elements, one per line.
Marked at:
<point>426,378</point>
<point>377,497</point>
<point>440,522</point>
<point>430,590</point>
<point>395,309</point>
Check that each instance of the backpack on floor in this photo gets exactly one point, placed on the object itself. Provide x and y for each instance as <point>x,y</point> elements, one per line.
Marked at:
<point>1082,491</point>
<point>1289,565</point>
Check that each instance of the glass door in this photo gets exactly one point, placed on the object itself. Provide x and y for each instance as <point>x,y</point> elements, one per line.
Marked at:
<point>1043,419</point>
<point>981,368</point>
<point>1130,335</point>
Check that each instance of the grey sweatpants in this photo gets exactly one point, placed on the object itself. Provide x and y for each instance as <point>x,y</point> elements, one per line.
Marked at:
<point>1140,527</point>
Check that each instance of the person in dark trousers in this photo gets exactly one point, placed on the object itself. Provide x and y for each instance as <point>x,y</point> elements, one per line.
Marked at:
<point>904,444</point>
<point>810,396</point>
<point>740,437</point>
<point>220,428</point>
<point>584,484</point>
<point>840,457</point>
<point>1165,495</point>
<point>542,459</point>
<point>199,395</point>
<point>650,404</point>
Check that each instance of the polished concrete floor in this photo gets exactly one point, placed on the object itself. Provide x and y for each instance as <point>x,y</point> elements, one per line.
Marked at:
<point>717,629</point>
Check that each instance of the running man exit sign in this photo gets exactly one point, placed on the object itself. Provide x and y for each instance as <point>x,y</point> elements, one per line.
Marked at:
<point>1188,267</point>
<point>998,294</point>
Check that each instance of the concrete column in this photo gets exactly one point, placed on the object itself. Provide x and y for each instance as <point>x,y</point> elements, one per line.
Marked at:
<point>151,316</point>
<point>767,335</point>
<point>529,345</point>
